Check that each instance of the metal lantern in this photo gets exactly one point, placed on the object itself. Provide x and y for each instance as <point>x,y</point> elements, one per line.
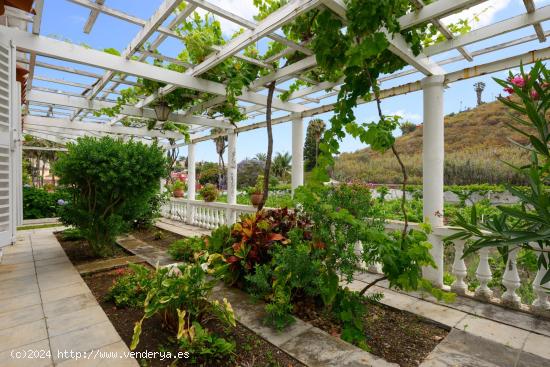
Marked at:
<point>162,110</point>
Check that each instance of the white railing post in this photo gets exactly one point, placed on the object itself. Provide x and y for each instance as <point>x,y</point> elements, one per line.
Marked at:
<point>484,275</point>
<point>459,270</point>
<point>231,176</point>
<point>511,280</point>
<point>432,177</point>
<point>541,304</point>
<point>191,183</point>
<point>297,153</point>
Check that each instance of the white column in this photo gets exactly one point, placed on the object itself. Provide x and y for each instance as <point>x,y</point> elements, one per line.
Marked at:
<point>297,153</point>
<point>231,175</point>
<point>432,177</point>
<point>191,181</point>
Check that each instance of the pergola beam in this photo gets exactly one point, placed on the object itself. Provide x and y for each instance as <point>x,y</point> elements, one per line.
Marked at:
<point>475,71</point>
<point>69,52</point>
<point>92,18</point>
<point>530,7</point>
<point>95,105</point>
<point>493,30</point>
<point>65,124</point>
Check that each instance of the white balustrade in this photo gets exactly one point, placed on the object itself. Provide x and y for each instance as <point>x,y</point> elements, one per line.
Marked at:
<point>511,280</point>
<point>484,276</point>
<point>459,269</point>
<point>541,304</point>
<point>212,215</point>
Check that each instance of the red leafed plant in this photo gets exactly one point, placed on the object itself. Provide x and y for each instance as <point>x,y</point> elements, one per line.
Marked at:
<point>254,235</point>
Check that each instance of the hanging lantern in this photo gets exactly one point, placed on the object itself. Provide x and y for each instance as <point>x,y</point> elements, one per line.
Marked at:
<point>162,110</point>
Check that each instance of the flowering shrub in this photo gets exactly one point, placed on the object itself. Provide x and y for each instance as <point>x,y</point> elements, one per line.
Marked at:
<point>528,225</point>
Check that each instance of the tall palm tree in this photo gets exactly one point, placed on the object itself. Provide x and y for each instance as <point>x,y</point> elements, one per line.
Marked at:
<point>282,164</point>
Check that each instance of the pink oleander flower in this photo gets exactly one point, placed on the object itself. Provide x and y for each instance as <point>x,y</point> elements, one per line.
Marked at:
<point>518,81</point>
<point>535,95</point>
<point>509,90</point>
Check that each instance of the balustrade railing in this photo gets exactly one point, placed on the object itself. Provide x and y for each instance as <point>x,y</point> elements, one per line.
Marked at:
<point>480,285</point>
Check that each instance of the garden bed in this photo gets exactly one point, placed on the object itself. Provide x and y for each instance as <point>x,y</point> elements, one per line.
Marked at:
<point>79,251</point>
<point>251,350</point>
<point>397,336</point>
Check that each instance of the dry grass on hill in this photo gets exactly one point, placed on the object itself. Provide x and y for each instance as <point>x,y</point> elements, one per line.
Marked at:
<point>475,143</point>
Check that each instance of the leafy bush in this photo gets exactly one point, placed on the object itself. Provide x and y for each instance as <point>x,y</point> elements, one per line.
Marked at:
<point>40,203</point>
<point>112,182</point>
<point>209,192</point>
<point>180,295</point>
<point>185,249</point>
<point>248,171</point>
<point>131,289</point>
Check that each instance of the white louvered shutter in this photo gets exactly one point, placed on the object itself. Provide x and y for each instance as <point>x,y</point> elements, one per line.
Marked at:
<point>7,117</point>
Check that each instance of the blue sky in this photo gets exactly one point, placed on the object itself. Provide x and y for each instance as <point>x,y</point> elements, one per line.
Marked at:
<point>65,20</point>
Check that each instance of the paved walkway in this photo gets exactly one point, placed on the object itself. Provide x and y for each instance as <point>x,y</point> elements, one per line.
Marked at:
<point>46,308</point>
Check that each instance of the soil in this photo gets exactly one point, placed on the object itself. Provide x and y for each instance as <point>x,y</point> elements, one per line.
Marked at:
<point>251,350</point>
<point>79,252</point>
<point>397,336</point>
<point>157,237</point>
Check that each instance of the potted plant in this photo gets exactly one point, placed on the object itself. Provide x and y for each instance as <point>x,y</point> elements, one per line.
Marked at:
<point>178,189</point>
<point>256,192</point>
<point>209,192</point>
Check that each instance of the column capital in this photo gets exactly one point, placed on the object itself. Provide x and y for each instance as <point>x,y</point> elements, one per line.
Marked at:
<point>432,80</point>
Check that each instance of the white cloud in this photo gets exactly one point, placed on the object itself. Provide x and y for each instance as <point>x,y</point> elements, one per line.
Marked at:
<point>485,11</point>
<point>407,116</point>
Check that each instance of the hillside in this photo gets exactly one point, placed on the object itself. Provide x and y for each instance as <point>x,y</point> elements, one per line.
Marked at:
<point>475,142</point>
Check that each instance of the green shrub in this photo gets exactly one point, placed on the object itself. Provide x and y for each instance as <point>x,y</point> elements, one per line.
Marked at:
<point>209,192</point>
<point>130,289</point>
<point>39,203</point>
<point>113,183</point>
<point>185,249</point>
<point>181,296</point>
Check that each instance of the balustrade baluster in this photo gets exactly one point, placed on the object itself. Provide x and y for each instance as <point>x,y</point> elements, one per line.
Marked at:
<point>459,269</point>
<point>511,280</point>
<point>484,275</point>
<point>541,304</point>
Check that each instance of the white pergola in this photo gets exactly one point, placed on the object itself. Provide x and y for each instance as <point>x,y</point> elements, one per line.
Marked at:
<point>63,116</point>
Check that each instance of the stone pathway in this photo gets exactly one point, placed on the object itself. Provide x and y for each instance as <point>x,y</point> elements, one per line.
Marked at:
<point>46,308</point>
<point>153,255</point>
<point>181,228</point>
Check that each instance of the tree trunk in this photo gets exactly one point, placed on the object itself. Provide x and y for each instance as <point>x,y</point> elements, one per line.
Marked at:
<point>267,168</point>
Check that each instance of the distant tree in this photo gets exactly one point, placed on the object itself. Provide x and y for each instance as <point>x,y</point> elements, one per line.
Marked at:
<point>407,127</point>
<point>248,171</point>
<point>315,130</point>
<point>208,172</point>
<point>221,145</point>
<point>281,165</point>
<point>479,88</point>
<point>261,157</point>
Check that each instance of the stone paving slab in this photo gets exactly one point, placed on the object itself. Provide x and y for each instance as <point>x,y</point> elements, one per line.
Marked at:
<point>46,305</point>
<point>149,253</point>
<point>181,228</point>
<point>109,264</point>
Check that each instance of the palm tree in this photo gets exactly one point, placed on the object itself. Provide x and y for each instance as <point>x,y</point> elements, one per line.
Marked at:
<point>262,157</point>
<point>221,145</point>
<point>282,164</point>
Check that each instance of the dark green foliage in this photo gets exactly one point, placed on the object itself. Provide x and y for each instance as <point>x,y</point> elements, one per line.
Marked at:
<point>209,192</point>
<point>315,130</point>
<point>113,184</point>
<point>185,249</point>
<point>39,203</point>
<point>248,171</point>
<point>131,288</point>
<point>220,238</point>
<point>209,173</point>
